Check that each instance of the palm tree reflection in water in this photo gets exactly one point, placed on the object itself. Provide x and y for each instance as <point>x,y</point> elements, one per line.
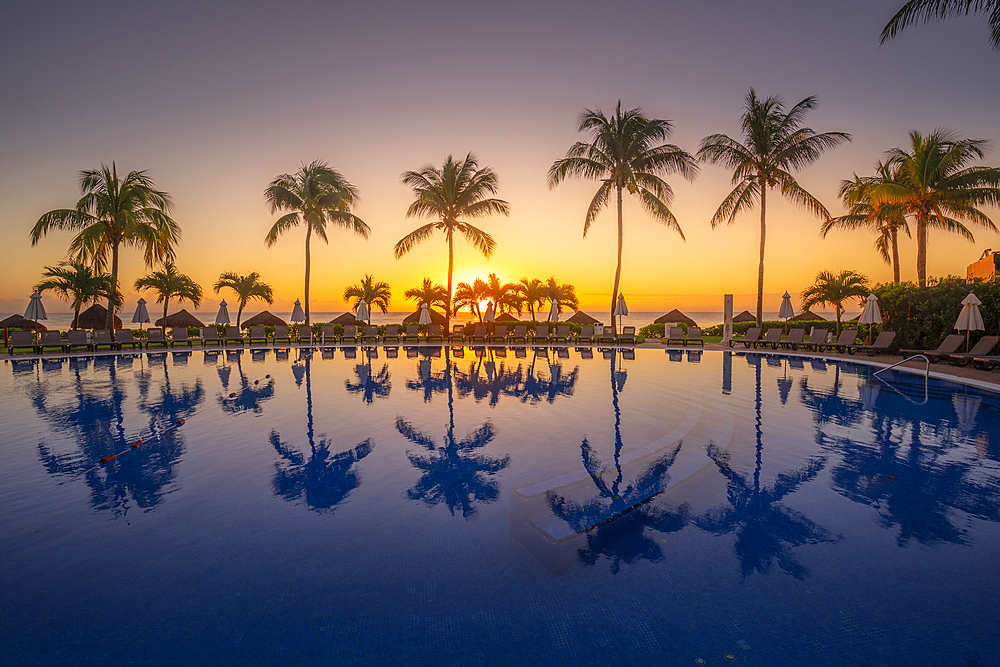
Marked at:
<point>765,530</point>
<point>452,474</point>
<point>249,396</point>
<point>369,386</point>
<point>322,480</point>
<point>616,519</point>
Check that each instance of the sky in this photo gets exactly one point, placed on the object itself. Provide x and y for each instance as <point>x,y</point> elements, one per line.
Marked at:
<point>215,100</point>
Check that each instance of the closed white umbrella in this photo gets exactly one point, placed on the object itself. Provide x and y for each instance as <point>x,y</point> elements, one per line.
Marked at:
<point>223,316</point>
<point>362,310</point>
<point>297,314</point>
<point>786,309</point>
<point>966,408</point>
<point>35,310</point>
<point>621,309</point>
<point>970,319</point>
<point>141,314</point>
<point>425,317</point>
<point>554,313</point>
<point>871,314</point>
<point>491,313</point>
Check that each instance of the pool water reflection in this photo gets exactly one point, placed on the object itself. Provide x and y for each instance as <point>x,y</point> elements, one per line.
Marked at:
<point>468,506</point>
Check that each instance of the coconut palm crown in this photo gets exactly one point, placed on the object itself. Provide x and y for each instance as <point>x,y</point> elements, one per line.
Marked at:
<point>506,297</point>
<point>774,144</point>
<point>834,290</point>
<point>534,293</point>
<point>450,196</point>
<point>936,188</point>
<point>376,294</point>
<point>167,283</point>
<point>429,292</point>
<point>77,283</point>
<point>246,287</point>
<point>315,196</point>
<point>925,11</point>
<point>113,212</point>
<point>625,153</point>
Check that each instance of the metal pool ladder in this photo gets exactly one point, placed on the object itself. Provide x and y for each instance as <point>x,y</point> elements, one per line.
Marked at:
<point>927,369</point>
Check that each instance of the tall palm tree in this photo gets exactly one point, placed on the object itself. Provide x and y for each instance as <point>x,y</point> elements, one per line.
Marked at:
<point>76,282</point>
<point>563,293</point>
<point>533,293</point>
<point>113,212</point>
<point>925,11</point>
<point>314,196</point>
<point>505,296</point>
<point>774,144</point>
<point>885,219</point>
<point>450,195</point>
<point>834,289</point>
<point>469,296</point>
<point>246,287</point>
<point>429,292</point>
<point>625,153</point>
<point>167,283</point>
<point>375,293</point>
<point>937,189</point>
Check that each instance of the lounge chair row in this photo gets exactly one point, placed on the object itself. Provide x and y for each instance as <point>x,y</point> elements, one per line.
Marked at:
<point>75,339</point>
<point>675,335</point>
<point>796,338</point>
<point>948,349</point>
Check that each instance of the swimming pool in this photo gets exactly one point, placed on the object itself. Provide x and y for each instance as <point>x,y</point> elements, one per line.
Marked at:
<point>414,507</point>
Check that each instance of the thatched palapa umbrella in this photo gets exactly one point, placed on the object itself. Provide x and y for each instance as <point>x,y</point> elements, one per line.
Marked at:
<point>265,319</point>
<point>17,322</point>
<point>182,318</point>
<point>436,318</point>
<point>506,317</point>
<point>679,317</point>
<point>346,318</point>
<point>580,317</point>
<point>807,316</point>
<point>96,317</point>
<point>745,316</point>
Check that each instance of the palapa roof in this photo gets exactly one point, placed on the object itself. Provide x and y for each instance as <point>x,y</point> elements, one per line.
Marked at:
<point>677,316</point>
<point>580,317</point>
<point>506,317</point>
<point>806,317</point>
<point>96,317</point>
<point>264,318</point>
<point>346,318</point>
<point>18,322</point>
<point>745,316</point>
<point>181,318</point>
<point>436,317</point>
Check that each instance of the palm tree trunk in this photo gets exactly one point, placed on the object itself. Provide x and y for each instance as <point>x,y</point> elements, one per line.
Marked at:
<point>308,235</point>
<point>618,268</point>
<point>114,291</point>
<point>451,265</point>
<point>760,270</point>
<point>239,313</point>
<point>922,249</point>
<point>895,255</point>
<point>165,302</point>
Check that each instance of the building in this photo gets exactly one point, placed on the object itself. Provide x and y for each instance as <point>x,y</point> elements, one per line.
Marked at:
<point>987,268</point>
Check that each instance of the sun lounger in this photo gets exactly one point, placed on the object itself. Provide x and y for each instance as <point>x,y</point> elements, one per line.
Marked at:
<point>412,332</point>
<point>457,333</point>
<point>947,347</point>
<point>752,336</point>
<point>124,337</point>
<point>817,340</point>
<point>281,333</point>
<point>305,334</point>
<point>350,334</point>
<point>987,363</point>
<point>179,336</point>
<point>327,333</point>
<point>233,335</point>
<point>562,333</point>
<point>586,334</point>
<point>258,333</point>
<point>846,340</point>
<point>772,338</point>
<point>521,333</point>
<point>478,333</point>
<point>391,331</point>
<point>48,339</point>
<point>675,336</point>
<point>607,335</point>
<point>102,337</point>
<point>980,349</point>
<point>694,337</point>
<point>499,334</point>
<point>794,338</point>
<point>210,335</point>
<point>881,344</point>
<point>20,340</point>
<point>371,333</point>
<point>155,336</point>
<point>627,336</point>
<point>434,332</point>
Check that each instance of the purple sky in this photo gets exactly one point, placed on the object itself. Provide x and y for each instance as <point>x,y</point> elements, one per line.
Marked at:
<point>216,100</point>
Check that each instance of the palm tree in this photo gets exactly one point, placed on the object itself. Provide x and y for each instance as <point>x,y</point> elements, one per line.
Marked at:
<point>113,212</point>
<point>314,196</point>
<point>169,283</point>
<point>246,287</point>
<point>505,296</point>
<point>78,283</point>
<point>429,292</point>
<point>935,187</point>
<point>563,293</point>
<point>533,293</point>
<point>625,153</point>
<point>456,191</point>
<point>884,219</point>
<point>375,293</point>
<point>773,145</point>
<point>925,11</point>
<point>469,296</point>
<point>834,290</point>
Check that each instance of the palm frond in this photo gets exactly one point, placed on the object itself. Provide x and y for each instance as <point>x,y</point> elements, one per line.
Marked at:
<point>418,235</point>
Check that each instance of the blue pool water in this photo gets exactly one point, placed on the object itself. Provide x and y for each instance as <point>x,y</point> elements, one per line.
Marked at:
<point>517,508</point>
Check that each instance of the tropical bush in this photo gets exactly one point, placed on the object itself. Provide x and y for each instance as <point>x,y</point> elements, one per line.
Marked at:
<point>922,317</point>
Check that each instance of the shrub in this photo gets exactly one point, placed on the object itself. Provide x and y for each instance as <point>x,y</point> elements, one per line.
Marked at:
<point>922,317</point>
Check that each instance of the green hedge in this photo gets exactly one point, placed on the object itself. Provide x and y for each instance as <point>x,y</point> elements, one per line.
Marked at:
<point>923,317</point>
